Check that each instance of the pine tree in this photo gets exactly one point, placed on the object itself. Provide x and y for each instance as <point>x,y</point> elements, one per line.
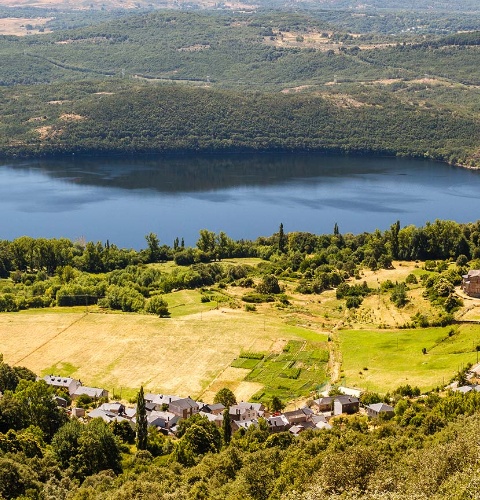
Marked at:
<point>141,421</point>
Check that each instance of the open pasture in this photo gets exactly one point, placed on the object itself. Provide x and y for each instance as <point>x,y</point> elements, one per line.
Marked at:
<point>381,360</point>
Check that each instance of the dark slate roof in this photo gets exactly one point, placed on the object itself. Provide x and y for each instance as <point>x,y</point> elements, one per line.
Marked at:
<point>184,404</point>
<point>345,400</point>
<point>380,407</point>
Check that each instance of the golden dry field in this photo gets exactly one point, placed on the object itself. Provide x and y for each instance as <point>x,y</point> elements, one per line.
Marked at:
<point>17,25</point>
<point>184,355</point>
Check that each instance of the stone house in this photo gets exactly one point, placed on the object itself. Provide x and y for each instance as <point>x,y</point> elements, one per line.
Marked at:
<point>184,408</point>
<point>345,404</point>
<point>377,409</point>
<point>471,283</point>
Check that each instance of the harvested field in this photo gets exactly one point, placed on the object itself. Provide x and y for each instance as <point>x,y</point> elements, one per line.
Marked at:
<point>179,356</point>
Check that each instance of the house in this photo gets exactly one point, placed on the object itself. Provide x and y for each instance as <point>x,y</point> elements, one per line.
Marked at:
<point>471,283</point>
<point>320,422</point>
<point>67,383</point>
<point>92,392</point>
<point>278,423</point>
<point>323,404</point>
<point>345,404</point>
<point>106,415</point>
<point>246,411</point>
<point>184,408</point>
<point>157,401</point>
<point>117,408</point>
<point>298,416</point>
<point>298,429</point>
<point>162,419</point>
<point>78,412</point>
<point>216,418</point>
<point>61,402</point>
<point>215,408</point>
<point>244,424</point>
<point>466,388</point>
<point>377,409</point>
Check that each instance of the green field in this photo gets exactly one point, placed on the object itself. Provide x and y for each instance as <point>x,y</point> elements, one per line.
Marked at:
<point>299,369</point>
<point>381,360</point>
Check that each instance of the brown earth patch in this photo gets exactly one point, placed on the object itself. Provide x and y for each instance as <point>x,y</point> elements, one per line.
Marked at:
<point>71,117</point>
<point>45,132</point>
<point>17,25</point>
<point>295,89</point>
<point>345,101</point>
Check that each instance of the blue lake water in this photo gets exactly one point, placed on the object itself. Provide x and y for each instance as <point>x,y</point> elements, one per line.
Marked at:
<point>248,195</point>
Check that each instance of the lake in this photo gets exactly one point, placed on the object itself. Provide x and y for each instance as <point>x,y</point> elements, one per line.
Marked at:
<point>245,195</point>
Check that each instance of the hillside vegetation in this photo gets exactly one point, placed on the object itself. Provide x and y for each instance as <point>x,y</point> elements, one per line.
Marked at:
<point>262,81</point>
<point>270,318</point>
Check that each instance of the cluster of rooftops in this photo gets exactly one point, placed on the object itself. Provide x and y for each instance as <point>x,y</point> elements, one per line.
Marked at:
<point>164,411</point>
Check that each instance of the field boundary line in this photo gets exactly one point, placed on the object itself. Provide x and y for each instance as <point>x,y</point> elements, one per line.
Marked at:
<point>50,339</point>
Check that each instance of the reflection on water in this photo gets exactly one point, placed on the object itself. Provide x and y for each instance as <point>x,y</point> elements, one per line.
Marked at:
<point>122,199</point>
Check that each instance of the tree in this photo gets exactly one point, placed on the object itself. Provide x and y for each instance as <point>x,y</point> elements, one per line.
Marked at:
<point>39,407</point>
<point>87,449</point>
<point>227,427</point>
<point>394,244</point>
<point>268,285</point>
<point>276,404</point>
<point>157,305</point>
<point>203,437</point>
<point>142,423</point>
<point>207,241</point>
<point>281,239</point>
<point>226,397</point>
<point>399,295</point>
<point>153,250</point>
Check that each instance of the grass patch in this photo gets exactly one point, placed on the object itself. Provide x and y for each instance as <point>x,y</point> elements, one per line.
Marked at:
<point>248,364</point>
<point>186,302</point>
<point>394,357</point>
<point>62,369</point>
<point>296,371</point>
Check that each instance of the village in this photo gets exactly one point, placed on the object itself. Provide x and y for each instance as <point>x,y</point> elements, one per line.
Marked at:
<point>164,412</point>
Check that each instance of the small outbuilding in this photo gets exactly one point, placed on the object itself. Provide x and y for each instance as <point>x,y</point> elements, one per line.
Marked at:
<point>380,409</point>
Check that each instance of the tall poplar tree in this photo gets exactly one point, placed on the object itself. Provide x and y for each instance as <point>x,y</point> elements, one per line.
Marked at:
<point>281,239</point>
<point>227,427</point>
<point>142,422</point>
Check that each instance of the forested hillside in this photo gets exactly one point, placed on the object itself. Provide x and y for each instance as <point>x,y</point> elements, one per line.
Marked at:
<point>269,81</point>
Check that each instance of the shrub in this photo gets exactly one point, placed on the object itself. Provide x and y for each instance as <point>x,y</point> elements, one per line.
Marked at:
<point>268,285</point>
<point>411,279</point>
<point>257,298</point>
<point>157,305</point>
<point>354,302</point>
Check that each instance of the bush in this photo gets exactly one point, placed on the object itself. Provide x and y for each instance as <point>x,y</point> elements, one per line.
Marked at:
<point>157,305</point>
<point>353,302</point>
<point>269,285</point>
<point>411,279</point>
<point>257,298</point>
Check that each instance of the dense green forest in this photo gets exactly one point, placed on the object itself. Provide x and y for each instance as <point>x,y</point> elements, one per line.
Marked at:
<point>43,455</point>
<point>45,272</point>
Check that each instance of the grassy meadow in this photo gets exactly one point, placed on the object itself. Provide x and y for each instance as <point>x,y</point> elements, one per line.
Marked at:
<point>380,360</point>
<point>204,345</point>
